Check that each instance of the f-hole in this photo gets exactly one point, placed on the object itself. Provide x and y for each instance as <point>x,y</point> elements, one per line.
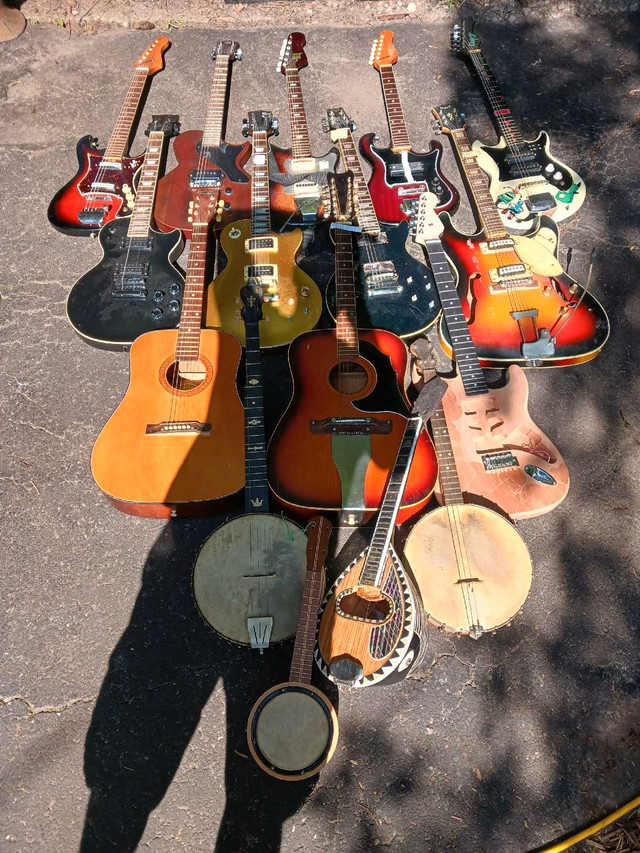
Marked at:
<point>348,377</point>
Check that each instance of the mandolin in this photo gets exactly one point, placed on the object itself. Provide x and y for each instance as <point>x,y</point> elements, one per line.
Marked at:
<point>175,444</point>
<point>519,305</point>
<point>292,302</point>
<point>135,288</point>
<point>345,421</point>
<point>297,176</point>
<point>249,575</point>
<point>471,566</point>
<point>501,456</point>
<point>400,174</point>
<point>394,286</point>
<point>369,616</point>
<point>293,727</point>
<point>103,187</point>
<point>525,179</point>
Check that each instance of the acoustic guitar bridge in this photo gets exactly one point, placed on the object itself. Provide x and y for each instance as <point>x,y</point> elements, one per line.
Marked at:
<point>178,428</point>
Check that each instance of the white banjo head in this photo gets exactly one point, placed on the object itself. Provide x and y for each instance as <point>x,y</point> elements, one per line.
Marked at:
<point>292,731</point>
<point>248,579</point>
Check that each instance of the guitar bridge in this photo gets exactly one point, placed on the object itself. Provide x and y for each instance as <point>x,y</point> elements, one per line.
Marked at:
<point>178,428</point>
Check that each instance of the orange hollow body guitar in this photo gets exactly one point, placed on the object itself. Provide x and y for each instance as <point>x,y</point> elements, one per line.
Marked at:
<point>175,445</point>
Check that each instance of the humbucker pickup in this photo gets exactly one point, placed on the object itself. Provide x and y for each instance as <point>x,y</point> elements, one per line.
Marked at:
<point>136,244</point>
<point>203,178</point>
<point>396,170</point>
<point>128,269</point>
<point>509,271</point>
<point>496,245</point>
<point>268,271</point>
<point>178,428</point>
<point>258,244</point>
<point>497,461</point>
<point>351,426</point>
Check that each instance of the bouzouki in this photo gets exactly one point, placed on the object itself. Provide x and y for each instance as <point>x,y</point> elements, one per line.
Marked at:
<point>135,288</point>
<point>369,616</point>
<point>519,305</point>
<point>348,411</point>
<point>394,288</point>
<point>525,179</point>
<point>103,187</point>
<point>293,727</point>
<point>175,444</point>
<point>249,575</point>
<point>400,174</point>
<point>471,566</point>
<point>292,302</point>
<point>501,456</point>
<point>297,176</point>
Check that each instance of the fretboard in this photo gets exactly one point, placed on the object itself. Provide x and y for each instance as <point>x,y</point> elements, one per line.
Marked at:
<point>447,472</point>
<point>346,321</point>
<point>118,143</point>
<point>260,204</point>
<point>300,145</point>
<point>188,342</point>
<point>395,116</point>
<point>501,112</point>
<point>471,373</point>
<point>367,218</point>
<point>143,209</point>
<point>485,205</point>
<point>302,660</point>
<point>256,490</point>
<point>216,110</point>
<point>377,554</point>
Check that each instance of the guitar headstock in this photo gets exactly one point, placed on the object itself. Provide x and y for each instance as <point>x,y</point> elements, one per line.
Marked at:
<point>206,203</point>
<point>230,49</point>
<point>428,225</point>
<point>383,51</point>
<point>166,124</point>
<point>292,53</point>
<point>463,39</point>
<point>449,118</point>
<point>338,124</point>
<point>318,534</point>
<point>152,59</point>
<point>260,121</point>
<point>251,296</point>
<point>340,198</point>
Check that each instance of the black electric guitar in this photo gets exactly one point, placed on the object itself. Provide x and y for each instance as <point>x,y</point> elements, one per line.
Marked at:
<point>395,289</point>
<point>135,288</point>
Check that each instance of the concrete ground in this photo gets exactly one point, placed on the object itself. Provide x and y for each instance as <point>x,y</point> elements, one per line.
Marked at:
<point>123,719</point>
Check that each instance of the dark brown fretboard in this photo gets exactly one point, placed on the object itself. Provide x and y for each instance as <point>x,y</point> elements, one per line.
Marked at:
<point>141,216</point>
<point>447,471</point>
<point>216,110</point>
<point>367,218</point>
<point>395,116</point>
<point>302,660</point>
<point>300,145</point>
<point>485,205</point>
<point>502,114</point>
<point>118,144</point>
<point>346,322</point>
<point>188,343</point>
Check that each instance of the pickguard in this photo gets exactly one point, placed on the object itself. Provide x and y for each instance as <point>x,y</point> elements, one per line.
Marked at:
<point>386,396</point>
<point>542,166</point>
<point>224,156</point>
<point>288,179</point>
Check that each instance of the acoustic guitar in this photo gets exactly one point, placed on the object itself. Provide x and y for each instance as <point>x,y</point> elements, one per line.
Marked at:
<point>249,575</point>
<point>502,457</point>
<point>175,444</point>
<point>348,412</point>
<point>369,616</point>
<point>293,727</point>
<point>104,185</point>
<point>291,300</point>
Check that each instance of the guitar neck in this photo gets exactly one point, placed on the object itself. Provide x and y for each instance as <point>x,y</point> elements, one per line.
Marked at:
<point>300,145</point>
<point>395,116</point>
<point>346,322</point>
<point>118,143</point>
<point>367,218</point>
<point>256,490</point>
<point>485,205</point>
<point>502,115</point>
<point>141,217</point>
<point>260,204</point>
<point>373,571</point>
<point>217,108</point>
<point>188,342</point>
<point>447,471</point>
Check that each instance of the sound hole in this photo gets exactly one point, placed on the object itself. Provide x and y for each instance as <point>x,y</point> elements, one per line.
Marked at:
<point>348,377</point>
<point>373,610</point>
<point>186,375</point>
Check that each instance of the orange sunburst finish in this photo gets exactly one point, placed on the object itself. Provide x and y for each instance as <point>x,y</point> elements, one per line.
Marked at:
<point>174,474</point>
<point>302,471</point>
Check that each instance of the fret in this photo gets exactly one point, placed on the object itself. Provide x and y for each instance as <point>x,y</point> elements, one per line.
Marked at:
<point>448,473</point>
<point>367,218</point>
<point>143,209</point>
<point>119,139</point>
<point>395,115</point>
<point>216,109</point>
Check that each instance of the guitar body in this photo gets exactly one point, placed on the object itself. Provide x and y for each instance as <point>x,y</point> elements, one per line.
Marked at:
<point>299,303</point>
<point>395,289</point>
<point>348,463</point>
<point>174,191</point>
<point>296,186</point>
<point>401,176</point>
<point>556,190</point>
<point>166,452</point>
<point>471,566</point>
<point>501,456</point>
<point>356,644</point>
<point>545,301</point>
<point>110,310</point>
<point>78,210</point>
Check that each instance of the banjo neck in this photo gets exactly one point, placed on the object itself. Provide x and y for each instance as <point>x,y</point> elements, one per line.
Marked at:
<point>256,490</point>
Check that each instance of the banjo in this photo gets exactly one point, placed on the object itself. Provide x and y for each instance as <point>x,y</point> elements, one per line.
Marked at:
<point>249,574</point>
<point>293,728</point>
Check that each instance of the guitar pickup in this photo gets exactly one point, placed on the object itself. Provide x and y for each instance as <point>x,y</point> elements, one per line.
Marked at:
<point>204,178</point>
<point>350,426</point>
<point>509,271</point>
<point>488,248</point>
<point>519,156</point>
<point>110,165</point>
<point>104,186</point>
<point>262,271</point>
<point>131,290</point>
<point>129,270</point>
<point>136,244</point>
<point>178,428</point>
<point>261,244</point>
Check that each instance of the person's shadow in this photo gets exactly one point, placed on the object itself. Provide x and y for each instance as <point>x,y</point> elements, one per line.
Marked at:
<point>160,677</point>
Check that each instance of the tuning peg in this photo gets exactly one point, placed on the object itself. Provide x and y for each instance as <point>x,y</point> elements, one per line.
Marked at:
<point>275,125</point>
<point>245,127</point>
<point>325,125</point>
<point>352,126</point>
<point>239,53</point>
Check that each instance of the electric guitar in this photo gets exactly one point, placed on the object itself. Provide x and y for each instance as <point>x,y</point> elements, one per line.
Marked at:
<point>175,444</point>
<point>399,174</point>
<point>519,305</point>
<point>135,288</point>
<point>525,179</point>
<point>395,288</point>
<point>297,176</point>
<point>103,187</point>
<point>348,412</point>
<point>291,300</point>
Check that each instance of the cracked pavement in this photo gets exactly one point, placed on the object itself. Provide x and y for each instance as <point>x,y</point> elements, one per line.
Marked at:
<point>122,715</point>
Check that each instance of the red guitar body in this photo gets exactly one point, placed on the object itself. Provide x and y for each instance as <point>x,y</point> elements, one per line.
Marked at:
<point>319,457</point>
<point>76,210</point>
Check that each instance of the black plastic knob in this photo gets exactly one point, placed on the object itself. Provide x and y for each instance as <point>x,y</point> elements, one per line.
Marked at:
<point>156,313</point>
<point>158,296</point>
